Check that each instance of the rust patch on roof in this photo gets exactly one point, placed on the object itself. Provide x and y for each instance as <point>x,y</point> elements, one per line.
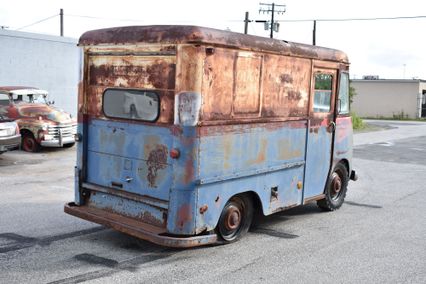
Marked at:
<point>192,34</point>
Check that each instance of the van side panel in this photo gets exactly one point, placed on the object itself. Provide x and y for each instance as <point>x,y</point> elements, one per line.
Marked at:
<point>253,133</point>
<point>267,159</point>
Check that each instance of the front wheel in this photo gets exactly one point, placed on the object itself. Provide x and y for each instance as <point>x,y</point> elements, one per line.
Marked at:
<point>336,188</point>
<point>69,145</point>
<point>29,144</point>
<point>235,219</point>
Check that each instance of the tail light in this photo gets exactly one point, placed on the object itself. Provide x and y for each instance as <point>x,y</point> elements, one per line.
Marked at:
<point>17,129</point>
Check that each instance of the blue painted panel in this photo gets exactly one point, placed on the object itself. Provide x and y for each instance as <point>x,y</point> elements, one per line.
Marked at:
<point>130,157</point>
<point>343,141</point>
<point>182,212</point>
<point>185,168</point>
<point>215,195</point>
<point>235,159</point>
<point>318,159</point>
<point>240,150</point>
<point>78,167</point>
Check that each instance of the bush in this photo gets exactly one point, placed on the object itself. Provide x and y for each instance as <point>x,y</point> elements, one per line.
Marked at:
<point>357,122</point>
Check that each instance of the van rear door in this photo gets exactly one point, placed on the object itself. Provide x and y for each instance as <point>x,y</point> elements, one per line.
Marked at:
<point>127,135</point>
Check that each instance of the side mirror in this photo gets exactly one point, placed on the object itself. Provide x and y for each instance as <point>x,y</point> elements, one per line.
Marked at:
<point>51,102</point>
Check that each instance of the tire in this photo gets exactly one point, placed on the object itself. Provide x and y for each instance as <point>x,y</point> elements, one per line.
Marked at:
<point>69,145</point>
<point>29,144</point>
<point>235,219</point>
<point>335,191</point>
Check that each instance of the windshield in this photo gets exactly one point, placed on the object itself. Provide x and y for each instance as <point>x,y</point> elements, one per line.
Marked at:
<point>30,98</point>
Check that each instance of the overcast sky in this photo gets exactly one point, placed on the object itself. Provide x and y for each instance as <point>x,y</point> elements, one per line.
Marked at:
<point>388,48</point>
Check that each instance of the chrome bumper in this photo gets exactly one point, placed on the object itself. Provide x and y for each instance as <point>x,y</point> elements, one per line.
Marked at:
<point>9,143</point>
<point>57,142</point>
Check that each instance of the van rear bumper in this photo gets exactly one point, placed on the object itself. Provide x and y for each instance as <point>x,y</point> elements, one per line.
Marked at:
<point>136,228</point>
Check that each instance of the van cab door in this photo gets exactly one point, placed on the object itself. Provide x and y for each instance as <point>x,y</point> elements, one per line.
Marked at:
<point>321,127</point>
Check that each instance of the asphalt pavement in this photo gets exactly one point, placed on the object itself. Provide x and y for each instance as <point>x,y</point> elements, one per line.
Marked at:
<point>378,236</point>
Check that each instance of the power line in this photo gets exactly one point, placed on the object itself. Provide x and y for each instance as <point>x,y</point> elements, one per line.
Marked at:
<point>126,20</point>
<point>103,18</point>
<point>356,19</point>
<point>35,23</point>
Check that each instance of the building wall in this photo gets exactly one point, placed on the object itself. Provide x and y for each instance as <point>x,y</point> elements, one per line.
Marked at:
<point>51,63</point>
<point>386,98</point>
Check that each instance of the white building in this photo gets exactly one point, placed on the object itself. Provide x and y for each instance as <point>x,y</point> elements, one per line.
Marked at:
<point>384,98</point>
<point>47,62</point>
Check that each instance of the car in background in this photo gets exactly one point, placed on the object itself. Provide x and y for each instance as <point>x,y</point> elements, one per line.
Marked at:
<point>10,138</point>
<point>40,123</point>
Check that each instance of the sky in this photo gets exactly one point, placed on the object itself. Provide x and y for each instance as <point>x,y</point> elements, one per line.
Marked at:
<point>391,49</point>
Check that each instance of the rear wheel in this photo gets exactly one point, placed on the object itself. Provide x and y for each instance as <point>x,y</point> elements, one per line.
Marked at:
<point>29,144</point>
<point>336,188</point>
<point>235,219</point>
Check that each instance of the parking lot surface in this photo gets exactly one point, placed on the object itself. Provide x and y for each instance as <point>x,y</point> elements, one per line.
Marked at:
<point>378,236</point>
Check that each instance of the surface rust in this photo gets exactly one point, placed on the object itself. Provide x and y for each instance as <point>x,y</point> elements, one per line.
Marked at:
<point>193,34</point>
<point>184,215</point>
<point>135,228</point>
<point>157,160</point>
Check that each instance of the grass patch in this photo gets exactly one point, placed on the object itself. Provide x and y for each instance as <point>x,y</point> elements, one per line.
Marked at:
<point>357,122</point>
<point>423,119</point>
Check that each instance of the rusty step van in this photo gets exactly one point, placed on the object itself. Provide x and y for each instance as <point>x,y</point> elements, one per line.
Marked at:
<point>185,132</point>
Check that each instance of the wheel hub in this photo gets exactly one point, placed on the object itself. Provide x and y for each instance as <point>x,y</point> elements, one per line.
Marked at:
<point>336,184</point>
<point>233,218</point>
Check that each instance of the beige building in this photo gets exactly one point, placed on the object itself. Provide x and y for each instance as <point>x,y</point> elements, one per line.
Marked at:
<point>389,98</point>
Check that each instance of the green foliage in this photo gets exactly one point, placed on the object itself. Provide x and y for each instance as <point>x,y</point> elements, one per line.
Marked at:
<point>357,122</point>
<point>323,81</point>
<point>400,116</point>
<point>352,94</point>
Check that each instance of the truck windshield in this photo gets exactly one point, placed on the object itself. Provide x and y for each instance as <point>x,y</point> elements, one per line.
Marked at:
<point>30,98</point>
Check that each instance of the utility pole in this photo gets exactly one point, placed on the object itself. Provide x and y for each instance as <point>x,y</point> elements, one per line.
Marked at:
<point>246,21</point>
<point>61,16</point>
<point>272,8</point>
<point>314,33</point>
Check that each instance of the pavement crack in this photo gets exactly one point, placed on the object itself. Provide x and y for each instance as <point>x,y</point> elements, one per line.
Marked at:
<point>112,266</point>
<point>274,233</point>
<point>94,259</point>
<point>18,242</point>
<point>254,261</point>
<point>363,205</point>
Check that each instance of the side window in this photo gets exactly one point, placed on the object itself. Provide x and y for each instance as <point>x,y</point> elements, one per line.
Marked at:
<point>4,100</point>
<point>344,93</point>
<point>323,91</point>
<point>131,104</point>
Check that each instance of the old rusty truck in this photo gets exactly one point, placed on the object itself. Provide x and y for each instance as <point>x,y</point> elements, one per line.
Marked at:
<point>41,124</point>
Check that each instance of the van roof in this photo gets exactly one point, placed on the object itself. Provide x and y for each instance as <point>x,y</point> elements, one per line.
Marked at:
<point>175,34</point>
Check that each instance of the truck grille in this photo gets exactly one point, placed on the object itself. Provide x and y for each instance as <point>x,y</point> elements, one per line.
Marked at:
<point>66,129</point>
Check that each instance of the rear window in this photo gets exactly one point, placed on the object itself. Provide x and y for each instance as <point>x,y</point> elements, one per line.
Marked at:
<point>131,104</point>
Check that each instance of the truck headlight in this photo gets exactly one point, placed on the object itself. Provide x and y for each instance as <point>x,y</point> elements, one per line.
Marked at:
<point>48,137</point>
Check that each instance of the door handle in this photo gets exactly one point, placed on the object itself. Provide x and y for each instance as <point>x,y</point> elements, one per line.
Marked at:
<point>129,179</point>
<point>332,126</point>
